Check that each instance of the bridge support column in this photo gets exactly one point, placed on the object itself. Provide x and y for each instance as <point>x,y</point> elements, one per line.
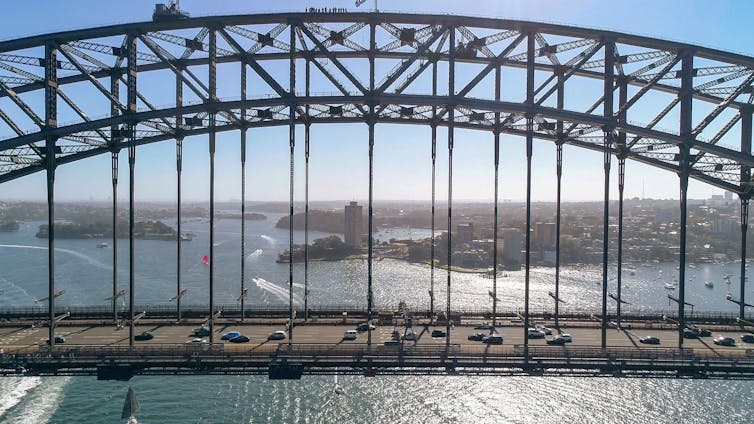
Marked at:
<point>292,145</point>
<point>621,183</point>
<point>51,121</point>
<point>559,174</point>
<point>115,148</point>
<point>496,134</point>
<point>744,228</point>
<point>244,292</point>
<point>370,229</point>
<point>50,168</point>
<point>307,129</point>
<point>451,130</point>
<point>434,160</point>
<point>685,94</point>
<point>607,145</point>
<point>212,140</point>
<point>179,191</point>
<point>114,172</point>
<point>622,152</point>
<point>131,130</point>
<point>131,256</point>
<point>530,43</point>
<point>684,175</point>
<point>746,115</point>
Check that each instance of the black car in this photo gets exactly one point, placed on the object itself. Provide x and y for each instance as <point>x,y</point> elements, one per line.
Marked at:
<point>438,333</point>
<point>493,339</point>
<point>747,338</point>
<point>201,332</point>
<point>58,339</point>
<point>650,340</point>
<point>477,337</point>
<point>700,332</point>
<point>690,333</point>
<point>240,339</point>
<point>724,341</point>
<point>365,327</point>
<point>147,335</point>
<point>556,341</point>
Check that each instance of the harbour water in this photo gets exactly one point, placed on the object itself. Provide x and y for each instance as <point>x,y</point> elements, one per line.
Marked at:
<point>84,271</point>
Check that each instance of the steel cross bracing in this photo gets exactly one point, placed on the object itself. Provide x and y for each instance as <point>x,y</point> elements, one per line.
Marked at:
<point>90,62</point>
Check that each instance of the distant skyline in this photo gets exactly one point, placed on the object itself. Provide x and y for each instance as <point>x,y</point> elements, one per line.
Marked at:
<point>402,152</point>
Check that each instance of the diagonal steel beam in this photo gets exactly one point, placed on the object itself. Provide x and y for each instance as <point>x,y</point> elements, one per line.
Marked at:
<point>491,66</point>
<point>21,104</point>
<point>334,60</point>
<point>648,86</point>
<point>656,120</point>
<point>722,106</point>
<point>163,55</point>
<point>97,84</point>
<point>405,64</point>
<point>573,68</point>
<point>720,134</point>
<point>199,38</point>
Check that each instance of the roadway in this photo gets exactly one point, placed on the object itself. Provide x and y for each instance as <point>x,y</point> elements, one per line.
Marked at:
<point>29,338</point>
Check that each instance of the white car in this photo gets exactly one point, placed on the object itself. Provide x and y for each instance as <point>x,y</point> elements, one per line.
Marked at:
<point>544,329</point>
<point>198,341</point>
<point>410,336</point>
<point>278,335</point>
<point>534,333</point>
<point>350,335</point>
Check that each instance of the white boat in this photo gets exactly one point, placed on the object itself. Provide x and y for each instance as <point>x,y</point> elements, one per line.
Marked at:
<point>338,389</point>
<point>709,284</point>
<point>102,245</point>
<point>669,286</point>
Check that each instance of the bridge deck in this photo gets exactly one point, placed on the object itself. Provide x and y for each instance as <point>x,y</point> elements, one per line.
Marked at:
<point>319,348</point>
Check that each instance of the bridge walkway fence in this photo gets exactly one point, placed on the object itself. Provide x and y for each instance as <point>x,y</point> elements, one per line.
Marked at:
<point>470,315</point>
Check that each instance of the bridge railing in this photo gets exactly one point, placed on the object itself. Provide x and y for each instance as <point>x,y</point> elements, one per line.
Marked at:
<point>167,311</point>
<point>361,351</point>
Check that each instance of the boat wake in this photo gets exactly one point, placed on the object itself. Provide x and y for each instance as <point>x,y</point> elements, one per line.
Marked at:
<point>8,283</point>
<point>79,255</point>
<point>41,403</point>
<point>268,239</point>
<point>273,289</point>
<point>255,254</point>
<point>16,391</point>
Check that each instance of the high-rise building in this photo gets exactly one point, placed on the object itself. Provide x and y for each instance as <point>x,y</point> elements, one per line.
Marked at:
<point>353,224</point>
<point>545,234</point>
<point>512,248</point>
<point>465,232</point>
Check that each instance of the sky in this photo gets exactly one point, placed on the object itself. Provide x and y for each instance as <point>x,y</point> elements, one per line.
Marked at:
<point>339,162</point>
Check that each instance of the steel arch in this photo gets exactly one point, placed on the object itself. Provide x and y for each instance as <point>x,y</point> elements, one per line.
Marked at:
<point>716,89</point>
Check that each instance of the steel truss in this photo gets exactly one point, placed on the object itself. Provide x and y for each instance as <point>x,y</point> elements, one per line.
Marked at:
<point>704,95</point>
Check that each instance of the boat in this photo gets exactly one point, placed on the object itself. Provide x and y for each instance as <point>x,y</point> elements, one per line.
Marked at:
<point>338,389</point>
<point>187,236</point>
<point>130,407</point>
<point>709,284</point>
<point>669,286</point>
<point>102,245</point>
